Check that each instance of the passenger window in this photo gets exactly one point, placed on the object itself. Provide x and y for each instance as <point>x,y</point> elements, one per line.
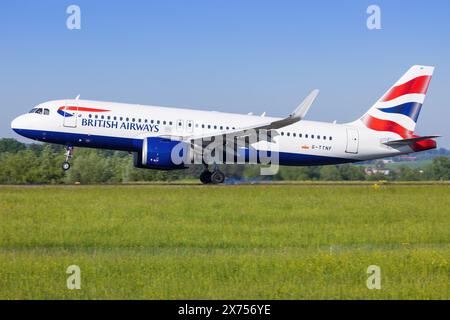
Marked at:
<point>306,135</point>
<point>158,122</point>
<point>139,120</point>
<point>282,133</point>
<point>299,135</point>
<point>170,123</point>
<point>288,134</point>
<point>318,137</point>
<point>294,134</point>
<point>164,122</point>
<point>331,138</point>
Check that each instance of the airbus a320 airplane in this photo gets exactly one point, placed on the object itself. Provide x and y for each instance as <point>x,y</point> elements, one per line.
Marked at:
<point>151,133</point>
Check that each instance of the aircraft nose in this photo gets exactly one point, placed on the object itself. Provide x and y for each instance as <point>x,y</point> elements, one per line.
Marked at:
<point>14,123</point>
<point>17,123</point>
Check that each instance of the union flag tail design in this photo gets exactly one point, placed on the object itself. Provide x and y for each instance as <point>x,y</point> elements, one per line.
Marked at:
<point>398,109</point>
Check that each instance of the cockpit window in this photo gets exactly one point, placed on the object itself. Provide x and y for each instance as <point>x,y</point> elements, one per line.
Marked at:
<point>43,111</point>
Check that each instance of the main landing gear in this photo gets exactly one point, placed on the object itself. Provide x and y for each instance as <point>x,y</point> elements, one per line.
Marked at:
<point>69,154</point>
<point>214,177</point>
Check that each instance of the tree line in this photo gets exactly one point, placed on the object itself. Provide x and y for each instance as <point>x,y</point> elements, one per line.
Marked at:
<point>41,164</point>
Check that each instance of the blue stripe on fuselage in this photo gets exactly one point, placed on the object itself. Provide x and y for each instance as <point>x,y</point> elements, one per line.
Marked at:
<point>290,159</point>
<point>82,140</point>
<point>135,145</point>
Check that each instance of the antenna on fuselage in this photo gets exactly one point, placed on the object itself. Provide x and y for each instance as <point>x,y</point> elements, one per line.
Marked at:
<point>78,97</point>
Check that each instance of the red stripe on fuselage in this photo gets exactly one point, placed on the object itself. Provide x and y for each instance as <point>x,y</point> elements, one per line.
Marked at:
<point>74,108</point>
<point>386,125</point>
<point>416,85</point>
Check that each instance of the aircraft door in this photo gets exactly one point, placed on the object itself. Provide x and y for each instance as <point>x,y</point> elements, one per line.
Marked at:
<point>70,114</point>
<point>352,140</point>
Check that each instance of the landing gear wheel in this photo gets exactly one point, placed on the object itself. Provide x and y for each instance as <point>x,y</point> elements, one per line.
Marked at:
<point>205,177</point>
<point>217,177</point>
<point>66,165</point>
<point>69,154</point>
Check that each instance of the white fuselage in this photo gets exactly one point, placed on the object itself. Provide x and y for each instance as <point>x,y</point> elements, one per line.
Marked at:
<point>120,126</point>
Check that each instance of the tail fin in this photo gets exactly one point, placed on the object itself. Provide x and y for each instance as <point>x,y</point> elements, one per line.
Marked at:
<point>398,109</point>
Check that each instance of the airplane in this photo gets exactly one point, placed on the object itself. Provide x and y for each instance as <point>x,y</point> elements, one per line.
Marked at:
<point>152,133</point>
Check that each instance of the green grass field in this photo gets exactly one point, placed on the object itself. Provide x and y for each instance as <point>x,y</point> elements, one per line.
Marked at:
<point>225,242</point>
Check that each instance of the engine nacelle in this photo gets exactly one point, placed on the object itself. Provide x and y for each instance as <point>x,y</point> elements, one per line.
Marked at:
<point>162,154</point>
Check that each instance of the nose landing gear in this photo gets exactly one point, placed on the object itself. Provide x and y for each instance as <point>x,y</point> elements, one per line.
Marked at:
<point>69,154</point>
<point>214,177</point>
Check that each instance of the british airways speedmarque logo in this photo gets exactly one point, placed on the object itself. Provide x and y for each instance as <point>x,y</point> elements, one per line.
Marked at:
<point>63,110</point>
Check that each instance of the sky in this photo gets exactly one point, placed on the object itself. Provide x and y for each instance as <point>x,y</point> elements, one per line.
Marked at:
<point>232,56</point>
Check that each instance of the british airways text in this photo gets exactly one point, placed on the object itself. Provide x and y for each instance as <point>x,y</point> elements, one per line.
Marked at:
<point>110,124</point>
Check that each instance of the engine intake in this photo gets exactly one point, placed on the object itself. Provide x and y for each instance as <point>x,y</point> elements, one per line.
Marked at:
<point>162,154</point>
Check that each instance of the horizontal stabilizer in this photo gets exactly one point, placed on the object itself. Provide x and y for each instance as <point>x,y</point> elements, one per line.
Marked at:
<point>404,142</point>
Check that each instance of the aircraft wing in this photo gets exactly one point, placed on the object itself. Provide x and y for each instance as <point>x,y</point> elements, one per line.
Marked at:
<point>298,114</point>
